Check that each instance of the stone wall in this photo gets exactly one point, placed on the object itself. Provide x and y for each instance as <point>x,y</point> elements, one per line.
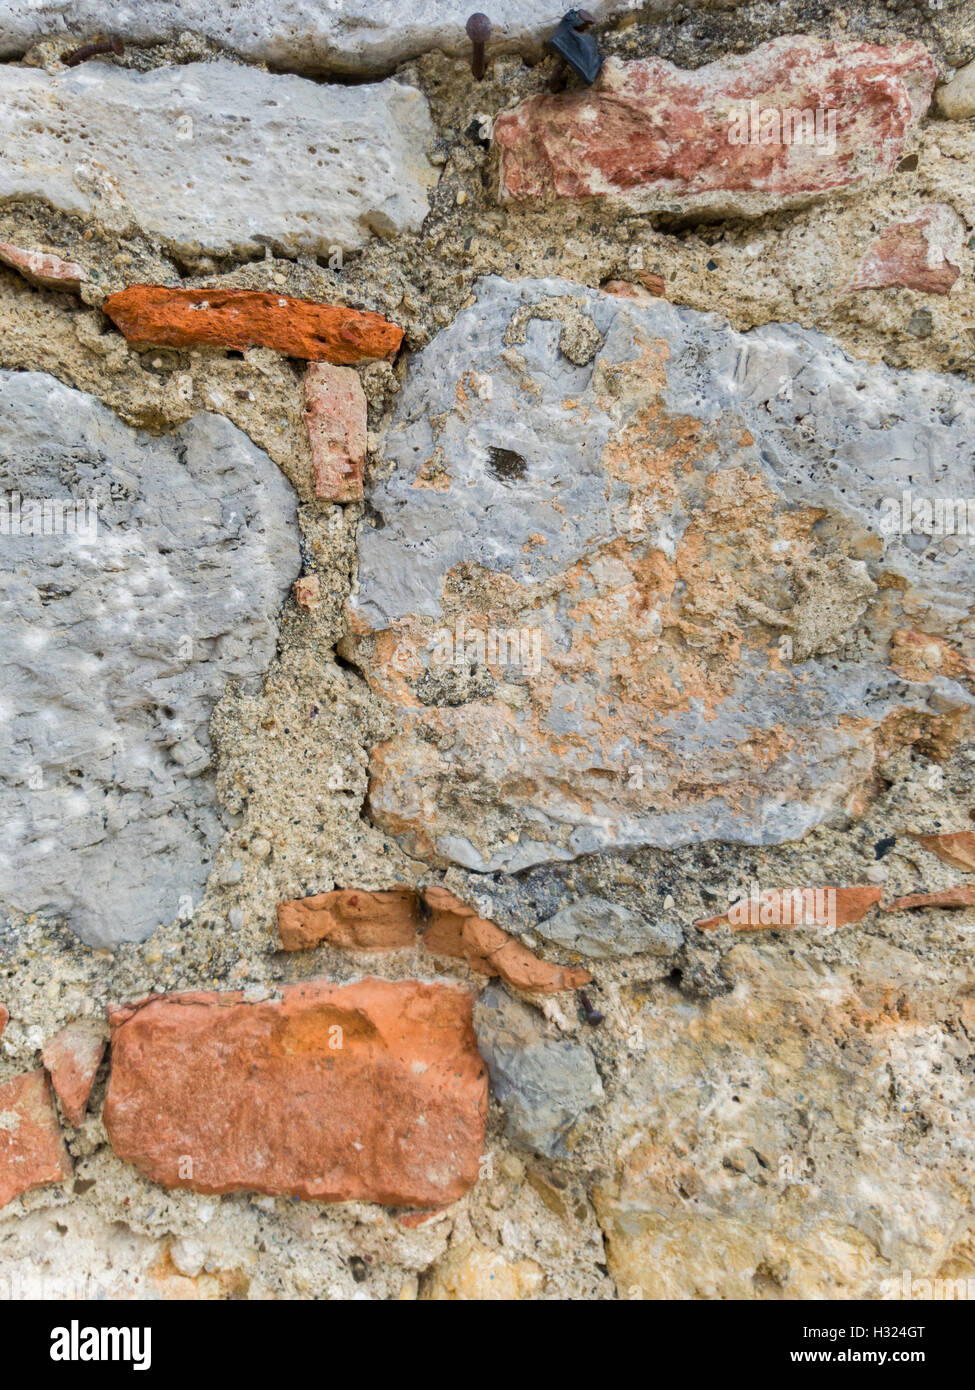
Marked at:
<point>486,804</point>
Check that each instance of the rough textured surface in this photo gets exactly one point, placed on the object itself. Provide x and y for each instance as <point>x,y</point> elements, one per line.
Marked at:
<point>816,1086</point>
<point>357,35</point>
<point>921,253</point>
<point>32,1152</point>
<point>72,1058</point>
<point>335,416</point>
<point>652,137</point>
<point>372,1091</point>
<point>544,1084</point>
<point>784,1114</point>
<point>122,628</point>
<point>155,316</point>
<point>217,157</point>
<point>690,539</point>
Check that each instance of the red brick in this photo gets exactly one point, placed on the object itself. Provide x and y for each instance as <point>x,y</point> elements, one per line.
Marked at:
<point>73,1057</point>
<point>335,417</point>
<point>42,268</point>
<point>372,1091</point>
<point>32,1152</point>
<point>654,136</point>
<point>918,253</point>
<point>957,849</point>
<point>159,317</point>
<point>4,1019</point>
<point>961,895</point>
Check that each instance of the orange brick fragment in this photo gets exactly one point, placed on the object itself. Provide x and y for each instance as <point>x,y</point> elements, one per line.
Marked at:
<point>4,1019</point>
<point>373,1091</point>
<point>32,1152</point>
<point>156,316</point>
<point>797,907</point>
<point>355,920</point>
<point>335,417</point>
<point>961,895</point>
<point>956,849</point>
<point>392,920</point>
<point>73,1057</point>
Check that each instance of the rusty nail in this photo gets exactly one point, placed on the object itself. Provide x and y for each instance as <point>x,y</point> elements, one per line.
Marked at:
<point>478,31</point>
<point>91,50</point>
<point>592,1015</point>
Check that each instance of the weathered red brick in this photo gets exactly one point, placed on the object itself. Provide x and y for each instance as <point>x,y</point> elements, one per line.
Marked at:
<point>394,919</point>
<point>32,1152</point>
<point>160,317</point>
<point>654,136</point>
<point>335,417</point>
<point>73,1057</point>
<point>42,268</point>
<point>957,849</point>
<point>918,253</point>
<point>961,895</point>
<point>366,1092</point>
<point>780,910</point>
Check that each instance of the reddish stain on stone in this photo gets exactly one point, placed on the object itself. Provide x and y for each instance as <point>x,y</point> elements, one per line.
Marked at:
<point>73,1057</point>
<point>919,253</point>
<point>366,1092</point>
<point>4,1019</point>
<point>32,1152</point>
<point>335,417</point>
<point>394,919</point>
<point>653,135</point>
<point>778,908</point>
<point>961,895</point>
<point>957,849</point>
<point>308,592</point>
<point>920,656</point>
<point>159,317</point>
<point>42,268</point>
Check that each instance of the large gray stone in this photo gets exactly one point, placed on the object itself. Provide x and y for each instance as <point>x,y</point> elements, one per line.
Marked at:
<point>218,157</point>
<point>688,526</point>
<point>118,641</point>
<point>307,35</point>
<point>545,1085</point>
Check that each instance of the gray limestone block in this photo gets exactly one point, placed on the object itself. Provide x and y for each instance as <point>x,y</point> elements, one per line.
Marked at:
<point>139,575</point>
<point>673,577</point>
<point>218,157</point>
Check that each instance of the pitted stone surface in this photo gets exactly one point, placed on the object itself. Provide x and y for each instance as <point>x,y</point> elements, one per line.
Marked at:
<point>218,157</point>
<point>688,538</point>
<point>344,35</point>
<point>118,643</point>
